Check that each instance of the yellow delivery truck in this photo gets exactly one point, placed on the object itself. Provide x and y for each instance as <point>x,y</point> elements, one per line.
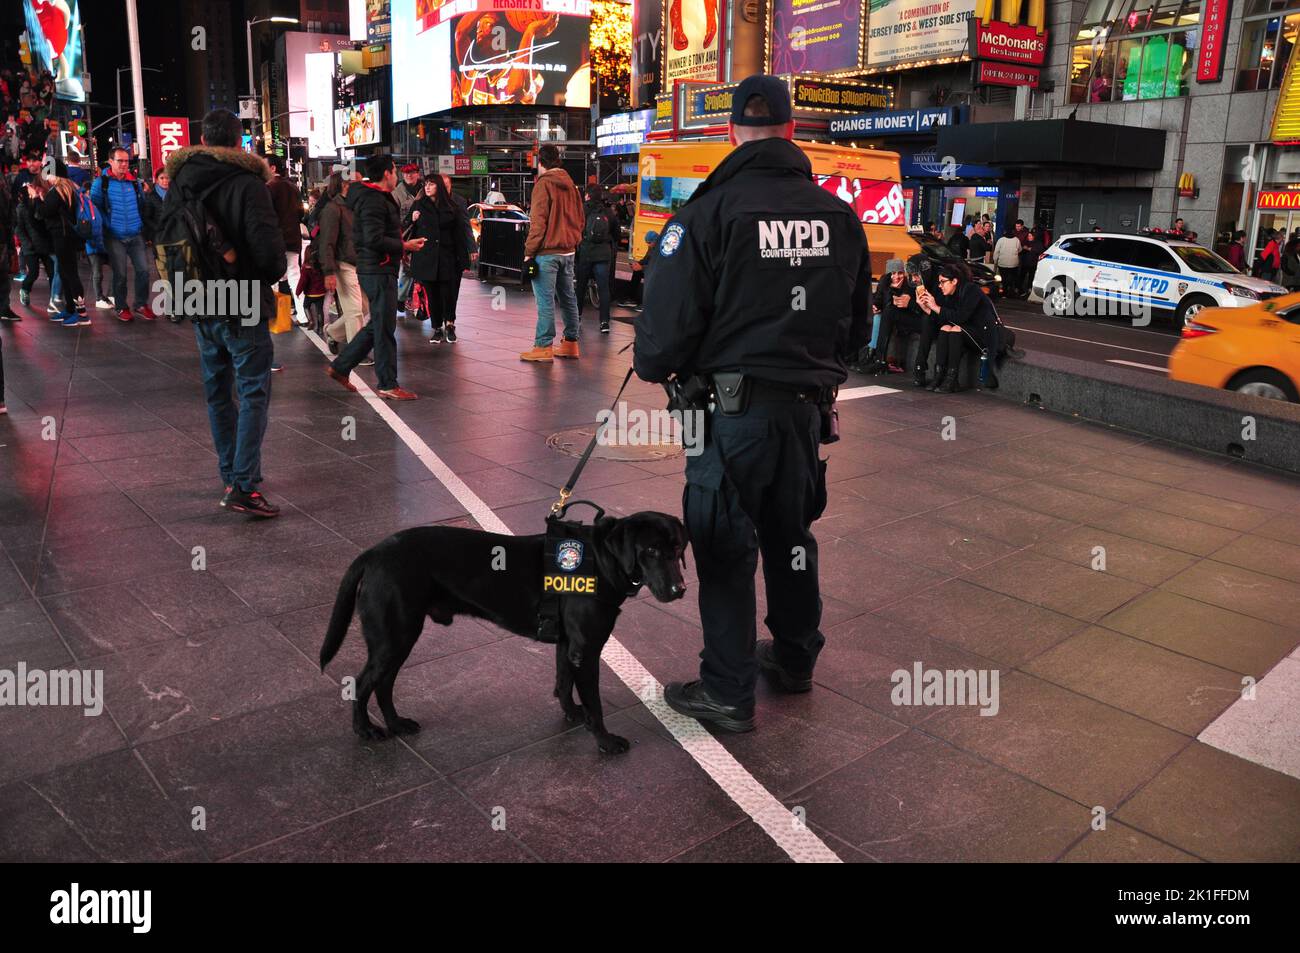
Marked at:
<point>867,179</point>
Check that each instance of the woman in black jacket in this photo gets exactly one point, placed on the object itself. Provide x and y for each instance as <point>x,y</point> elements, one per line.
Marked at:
<point>437,266</point>
<point>58,211</point>
<point>958,309</point>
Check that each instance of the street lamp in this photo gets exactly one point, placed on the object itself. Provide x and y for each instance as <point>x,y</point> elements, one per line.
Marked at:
<point>248,32</point>
<point>117,81</point>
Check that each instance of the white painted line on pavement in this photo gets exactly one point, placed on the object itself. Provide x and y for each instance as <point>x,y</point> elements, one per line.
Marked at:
<point>874,390</point>
<point>1264,730</point>
<point>767,812</point>
<point>1066,337</point>
<point>1145,367</point>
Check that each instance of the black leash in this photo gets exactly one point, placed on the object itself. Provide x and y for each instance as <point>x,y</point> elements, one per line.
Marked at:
<point>559,505</point>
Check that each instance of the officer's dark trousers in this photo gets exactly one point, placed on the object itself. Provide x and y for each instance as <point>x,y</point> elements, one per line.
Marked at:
<point>758,486</point>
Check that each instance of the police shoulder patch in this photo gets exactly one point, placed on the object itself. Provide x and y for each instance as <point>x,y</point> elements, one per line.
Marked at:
<point>671,240</point>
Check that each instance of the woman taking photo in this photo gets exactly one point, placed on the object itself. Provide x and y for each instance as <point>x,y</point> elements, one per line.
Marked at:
<point>957,309</point>
<point>58,210</point>
<point>437,267</point>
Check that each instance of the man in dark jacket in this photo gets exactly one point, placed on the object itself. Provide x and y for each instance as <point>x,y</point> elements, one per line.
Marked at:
<point>288,209</point>
<point>377,235</point>
<point>596,251</point>
<point>759,274</point>
<point>235,348</point>
<point>37,249</point>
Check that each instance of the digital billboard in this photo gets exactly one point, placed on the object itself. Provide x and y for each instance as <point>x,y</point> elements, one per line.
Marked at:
<point>54,30</point>
<point>302,96</point>
<point>904,31</point>
<point>357,125</point>
<point>647,43</point>
<point>529,57</point>
<point>817,36</point>
<point>318,123</point>
<point>420,83</point>
<point>692,46</point>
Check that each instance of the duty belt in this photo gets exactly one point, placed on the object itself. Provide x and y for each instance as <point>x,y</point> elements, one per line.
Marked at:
<point>771,392</point>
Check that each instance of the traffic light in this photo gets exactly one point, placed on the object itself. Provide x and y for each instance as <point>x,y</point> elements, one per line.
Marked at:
<point>79,127</point>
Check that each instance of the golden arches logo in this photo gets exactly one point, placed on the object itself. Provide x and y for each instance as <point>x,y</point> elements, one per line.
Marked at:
<point>1035,12</point>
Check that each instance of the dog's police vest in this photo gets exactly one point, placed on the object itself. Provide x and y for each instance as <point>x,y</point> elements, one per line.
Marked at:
<point>568,569</point>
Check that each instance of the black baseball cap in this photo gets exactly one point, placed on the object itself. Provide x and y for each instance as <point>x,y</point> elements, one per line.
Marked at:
<point>774,92</point>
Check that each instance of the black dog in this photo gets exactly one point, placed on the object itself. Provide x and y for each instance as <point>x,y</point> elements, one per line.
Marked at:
<point>444,571</point>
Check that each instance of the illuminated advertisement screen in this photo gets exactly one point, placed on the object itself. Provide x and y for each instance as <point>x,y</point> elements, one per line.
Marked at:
<point>357,125</point>
<point>305,99</point>
<point>876,201</point>
<point>819,36</point>
<point>54,27</point>
<point>419,87</point>
<point>647,37</point>
<point>902,31</point>
<point>526,57</point>
<point>318,85</point>
<point>430,13</point>
<point>662,195</point>
<point>692,47</point>
<point>378,24</point>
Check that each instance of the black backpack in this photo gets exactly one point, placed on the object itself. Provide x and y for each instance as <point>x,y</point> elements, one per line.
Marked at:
<point>596,229</point>
<point>188,240</point>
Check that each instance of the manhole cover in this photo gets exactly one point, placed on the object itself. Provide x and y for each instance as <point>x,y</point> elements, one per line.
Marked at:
<point>623,444</point>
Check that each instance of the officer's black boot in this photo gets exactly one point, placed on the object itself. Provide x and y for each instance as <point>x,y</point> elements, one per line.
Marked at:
<point>949,384</point>
<point>939,373</point>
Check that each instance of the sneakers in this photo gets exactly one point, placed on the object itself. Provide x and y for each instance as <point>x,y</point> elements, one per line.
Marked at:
<point>436,336</point>
<point>396,393</point>
<point>604,327</point>
<point>449,332</point>
<point>252,503</point>
<point>123,315</point>
<point>341,378</point>
<point>147,313</point>
<point>566,348</point>
<point>693,700</point>
<point>103,304</point>
<point>9,317</point>
<point>24,297</point>
<point>276,366</point>
<point>538,355</point>
<point>368,362</point>
<point>54,308</point>
<point>70,320</point>
<point>333,345</point>
<point>3,410</point>
<point>83,319</point>
<point>781,677</point>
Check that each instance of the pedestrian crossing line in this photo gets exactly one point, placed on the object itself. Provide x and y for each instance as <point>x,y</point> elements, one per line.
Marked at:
<point>1145,367</point>
<point>782,825</point>
<point>1264,729</point>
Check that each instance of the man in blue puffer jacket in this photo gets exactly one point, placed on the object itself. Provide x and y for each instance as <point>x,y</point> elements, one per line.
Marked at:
<point>116,194</point>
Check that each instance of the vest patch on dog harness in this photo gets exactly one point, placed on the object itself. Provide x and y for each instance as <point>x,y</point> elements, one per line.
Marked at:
<point>568,569</point>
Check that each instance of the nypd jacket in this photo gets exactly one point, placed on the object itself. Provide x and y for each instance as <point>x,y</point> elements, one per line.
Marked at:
<point>761,271</point>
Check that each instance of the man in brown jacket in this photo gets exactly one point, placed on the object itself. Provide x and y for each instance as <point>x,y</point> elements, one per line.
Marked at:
<point>554,231</point>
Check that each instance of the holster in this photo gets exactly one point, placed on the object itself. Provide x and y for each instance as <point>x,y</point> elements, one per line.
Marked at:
<point>731,391</point>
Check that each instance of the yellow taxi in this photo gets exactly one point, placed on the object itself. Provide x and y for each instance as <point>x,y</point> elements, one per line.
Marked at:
<point>1252,350</point>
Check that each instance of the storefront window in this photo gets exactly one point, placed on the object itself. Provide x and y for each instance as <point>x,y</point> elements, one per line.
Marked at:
<point>1134,49</point>
<point>1266,46</point>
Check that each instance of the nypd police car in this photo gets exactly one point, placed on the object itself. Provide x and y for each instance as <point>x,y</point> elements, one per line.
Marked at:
<point>1104,273</point>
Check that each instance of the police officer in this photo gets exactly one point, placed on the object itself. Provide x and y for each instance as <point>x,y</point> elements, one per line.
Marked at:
<point>761,273</point>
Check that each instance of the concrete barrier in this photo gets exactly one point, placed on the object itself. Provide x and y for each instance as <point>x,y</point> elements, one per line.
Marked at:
<point>1247,428</point>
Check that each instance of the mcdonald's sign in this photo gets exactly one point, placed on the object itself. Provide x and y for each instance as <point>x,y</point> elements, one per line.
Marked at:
<point>1187,186</point>
<point>1007,39</point>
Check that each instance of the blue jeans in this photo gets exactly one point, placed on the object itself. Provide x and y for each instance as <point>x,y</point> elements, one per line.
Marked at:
<point>600,271</point>
<point>379,333</point>
<point>119,249</point>
<point>239,356</point>
<point>554,276</point>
